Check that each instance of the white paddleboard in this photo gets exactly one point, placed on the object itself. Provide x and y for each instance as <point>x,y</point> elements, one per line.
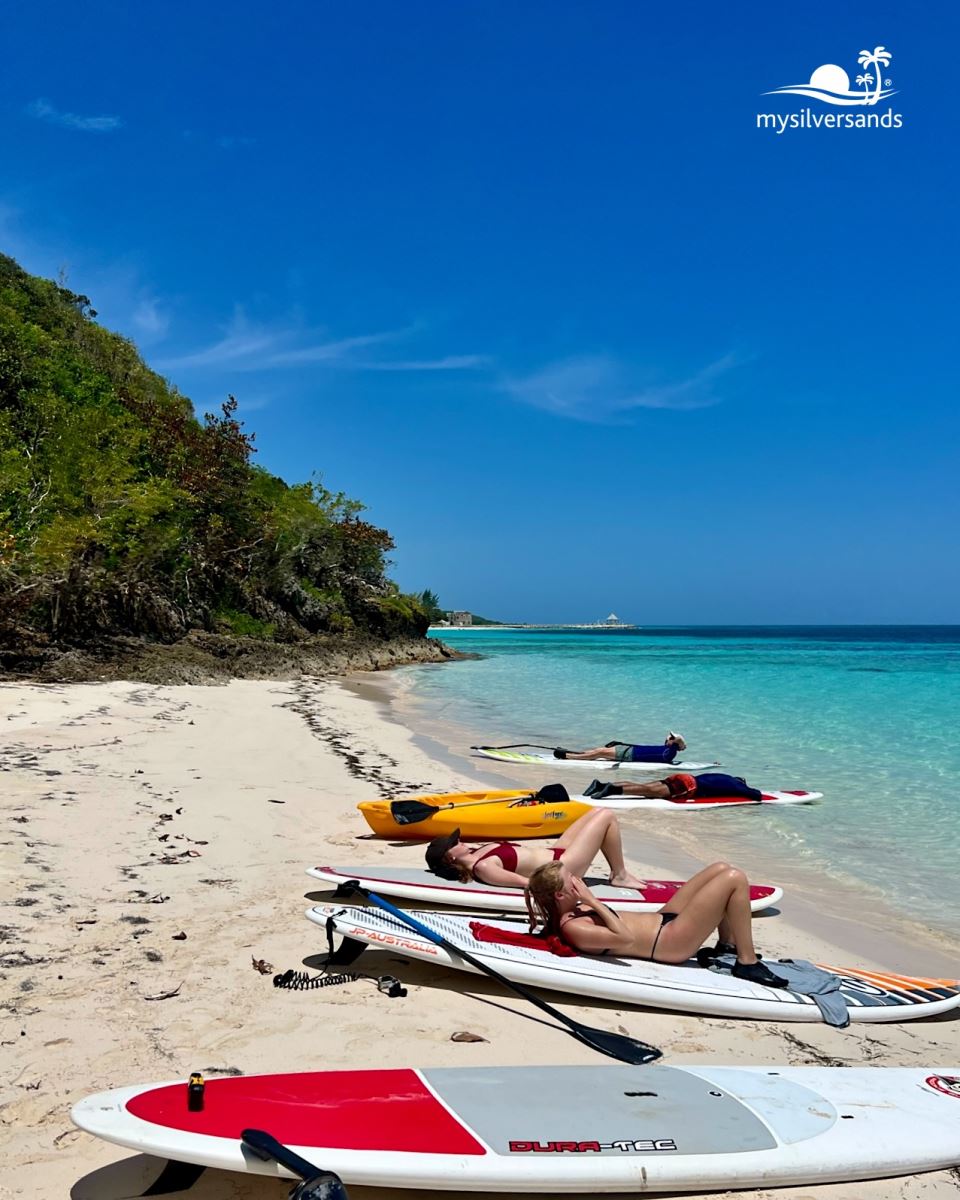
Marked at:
<point>694,803</point>
<point>415,883</point>
<point>543,758</point>
<point>869,996</point>
<point>588,1129</point>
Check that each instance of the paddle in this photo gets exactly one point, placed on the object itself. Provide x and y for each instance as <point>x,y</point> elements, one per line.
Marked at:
<point>615,1045</point>
<point>539,746</point>
<point>316,1184</point>
<point>516,746</point>
<point>412,812</point>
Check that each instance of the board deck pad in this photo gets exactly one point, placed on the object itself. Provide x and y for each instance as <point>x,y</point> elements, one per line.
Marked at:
<point>870,996</point>
<point>590,1129</point>
<point>413,883</point>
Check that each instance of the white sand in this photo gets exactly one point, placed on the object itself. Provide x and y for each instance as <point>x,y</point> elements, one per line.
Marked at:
<point>117,795</point>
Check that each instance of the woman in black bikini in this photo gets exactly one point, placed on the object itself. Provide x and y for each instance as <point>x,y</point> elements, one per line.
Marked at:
<point>718,897</point>
<point>509,864</point>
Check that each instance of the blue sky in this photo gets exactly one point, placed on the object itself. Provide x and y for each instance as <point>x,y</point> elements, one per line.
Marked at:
<point>528,280</point>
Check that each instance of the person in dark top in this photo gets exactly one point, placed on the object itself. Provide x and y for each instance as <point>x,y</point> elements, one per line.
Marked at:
<point>718,897</point>
<point>627,752</point>
<point>509,864</point>
<point>681,789</point>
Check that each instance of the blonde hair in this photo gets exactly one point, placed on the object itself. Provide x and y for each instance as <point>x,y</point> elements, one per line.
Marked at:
<point>541,897</point>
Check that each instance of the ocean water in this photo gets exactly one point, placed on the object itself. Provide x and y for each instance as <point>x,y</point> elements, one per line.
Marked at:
<point>870,716</point>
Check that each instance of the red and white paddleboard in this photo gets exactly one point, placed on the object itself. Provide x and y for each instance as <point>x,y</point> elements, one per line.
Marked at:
<point>694,803</point>
<point>588,1129</point>
<point>414,883</point>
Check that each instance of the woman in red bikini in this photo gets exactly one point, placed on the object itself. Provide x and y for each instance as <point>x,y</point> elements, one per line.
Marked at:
<point>509,864</point>
<point>718,897</point>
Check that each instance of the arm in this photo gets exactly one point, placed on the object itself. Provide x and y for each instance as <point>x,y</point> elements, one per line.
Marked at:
<point>612,921</point>
<point>590,938</point>
<point>492,871</point>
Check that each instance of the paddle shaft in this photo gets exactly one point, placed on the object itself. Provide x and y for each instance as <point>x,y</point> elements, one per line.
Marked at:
<point>435,808</point>
<point>320,1184</point>
<point>516,746</point>
<point>581,1031</point>
<point>412,812</point>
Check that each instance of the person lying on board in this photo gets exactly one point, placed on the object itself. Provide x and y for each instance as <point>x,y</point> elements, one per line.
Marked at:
<point>510,864</point>
<point>679,788</point>
<point>627,752</point>
<point>718,897</point>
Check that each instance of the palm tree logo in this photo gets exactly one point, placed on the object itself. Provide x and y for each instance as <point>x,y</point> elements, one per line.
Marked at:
<point>831,83</point>
<point>879,57</point>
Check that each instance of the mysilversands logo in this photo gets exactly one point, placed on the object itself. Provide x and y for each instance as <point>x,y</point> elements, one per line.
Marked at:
<point>830,84</point>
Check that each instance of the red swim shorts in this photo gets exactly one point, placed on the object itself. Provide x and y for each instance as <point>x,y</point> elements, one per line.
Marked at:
<point>681,785</point>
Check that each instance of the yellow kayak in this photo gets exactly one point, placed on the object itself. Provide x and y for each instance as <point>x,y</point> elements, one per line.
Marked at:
<point>500,814</point>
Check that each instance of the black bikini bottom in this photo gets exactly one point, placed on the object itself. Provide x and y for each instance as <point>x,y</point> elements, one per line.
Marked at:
<point>665,919</point>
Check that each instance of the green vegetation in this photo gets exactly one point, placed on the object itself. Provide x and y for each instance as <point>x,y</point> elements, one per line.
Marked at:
<point>121,513</point>
<point>430,603</point>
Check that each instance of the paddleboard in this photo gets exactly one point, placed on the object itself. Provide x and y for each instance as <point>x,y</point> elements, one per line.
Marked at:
<point>587,1129</point>
<point>414,883</point>
<point>870,996</point>
<point>697,803</point>
<point>544,758</point>
<point>513,815</point>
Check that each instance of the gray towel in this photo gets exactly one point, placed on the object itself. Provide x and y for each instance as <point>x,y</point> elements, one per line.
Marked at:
<point>806,979</point>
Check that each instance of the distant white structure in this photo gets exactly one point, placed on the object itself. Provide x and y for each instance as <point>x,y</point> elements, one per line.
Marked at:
<point>461,618</point>
<point>613,619</point>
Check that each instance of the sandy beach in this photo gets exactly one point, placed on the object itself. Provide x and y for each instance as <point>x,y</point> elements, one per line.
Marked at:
<point>155,839</point>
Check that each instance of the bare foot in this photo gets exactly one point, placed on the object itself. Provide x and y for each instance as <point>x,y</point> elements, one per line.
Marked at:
<point>625,879</point>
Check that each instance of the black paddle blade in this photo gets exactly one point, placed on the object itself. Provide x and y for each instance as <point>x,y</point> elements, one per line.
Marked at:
<point>552,793</point>
<point>317,1184</point>
<point>411,812</point>
<point>616,1045</point>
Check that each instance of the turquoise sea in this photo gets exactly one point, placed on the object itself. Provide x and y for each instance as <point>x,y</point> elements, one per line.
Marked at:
<point>870,716</point>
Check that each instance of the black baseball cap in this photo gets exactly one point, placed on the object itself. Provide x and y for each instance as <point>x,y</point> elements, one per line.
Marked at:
<point>435,855</point>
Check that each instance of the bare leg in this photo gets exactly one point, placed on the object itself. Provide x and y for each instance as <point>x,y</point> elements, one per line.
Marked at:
<point>601,752</point>
<point>657,791</point>
<point>597,830</point>
<point>722,901</point>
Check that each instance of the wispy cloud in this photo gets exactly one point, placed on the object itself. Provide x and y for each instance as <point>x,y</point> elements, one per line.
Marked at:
<point>603,390</point>
<point>149,319</point>
<point>43,110</point>
<point>452,362</point>
<point>235,142</point>
<point>249,347</point>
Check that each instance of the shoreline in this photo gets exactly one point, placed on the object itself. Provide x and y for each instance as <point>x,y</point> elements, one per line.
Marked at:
<point>159,836</point>
<point>858,919</point>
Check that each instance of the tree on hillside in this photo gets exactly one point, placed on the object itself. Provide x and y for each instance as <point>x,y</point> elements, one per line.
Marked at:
<point>122,513</point>
<point>430,603</point>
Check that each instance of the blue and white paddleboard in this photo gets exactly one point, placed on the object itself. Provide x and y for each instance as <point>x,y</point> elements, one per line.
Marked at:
<point>870,996</point>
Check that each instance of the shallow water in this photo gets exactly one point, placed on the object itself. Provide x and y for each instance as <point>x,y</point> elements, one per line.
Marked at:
<point>867,715</point>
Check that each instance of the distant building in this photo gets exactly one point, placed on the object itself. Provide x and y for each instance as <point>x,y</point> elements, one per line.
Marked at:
<point>461,618</point>
<point>613,619</point>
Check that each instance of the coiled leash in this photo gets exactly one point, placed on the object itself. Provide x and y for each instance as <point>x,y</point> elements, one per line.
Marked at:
<point>301,981</point>
<point>347,952</point>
